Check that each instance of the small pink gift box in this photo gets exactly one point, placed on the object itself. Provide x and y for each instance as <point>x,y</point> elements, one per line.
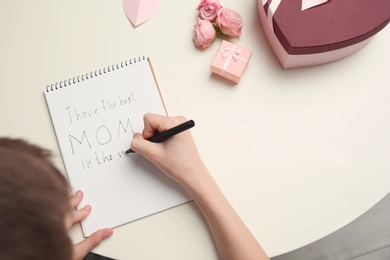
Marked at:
<point>230,61</point>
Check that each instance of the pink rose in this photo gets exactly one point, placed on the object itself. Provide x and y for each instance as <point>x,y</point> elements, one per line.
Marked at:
<point>208,9</point>
<point>204,34</point>
<point>229,22</point>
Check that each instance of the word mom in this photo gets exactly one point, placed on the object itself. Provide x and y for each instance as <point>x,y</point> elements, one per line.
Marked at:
<point>103,135</point>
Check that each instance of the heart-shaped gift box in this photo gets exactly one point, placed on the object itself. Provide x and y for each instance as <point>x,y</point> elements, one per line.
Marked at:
<point>323,33</point>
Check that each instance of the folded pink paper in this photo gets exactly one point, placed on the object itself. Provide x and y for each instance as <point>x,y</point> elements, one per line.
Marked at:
<point>230,61</point>
<point>139,11</point>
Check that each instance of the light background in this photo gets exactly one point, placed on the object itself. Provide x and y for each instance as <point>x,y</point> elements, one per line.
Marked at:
<point>299,153</point>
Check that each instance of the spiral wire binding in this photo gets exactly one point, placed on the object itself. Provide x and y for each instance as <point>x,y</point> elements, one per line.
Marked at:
<point>95,73</point>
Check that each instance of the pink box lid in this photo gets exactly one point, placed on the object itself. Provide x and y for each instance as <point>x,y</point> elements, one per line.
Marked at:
<point>330,26</point>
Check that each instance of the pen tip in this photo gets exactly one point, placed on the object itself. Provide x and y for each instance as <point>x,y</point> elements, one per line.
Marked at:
<point>129,151</point>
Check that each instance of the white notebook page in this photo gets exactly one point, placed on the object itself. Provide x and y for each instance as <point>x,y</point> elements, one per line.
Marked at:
<point>94,121</point>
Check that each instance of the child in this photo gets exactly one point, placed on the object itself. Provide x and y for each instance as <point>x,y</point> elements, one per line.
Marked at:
<point>36,208</point>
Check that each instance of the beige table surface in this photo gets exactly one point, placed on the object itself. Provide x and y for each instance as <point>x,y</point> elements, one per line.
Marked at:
<point>299,153</point>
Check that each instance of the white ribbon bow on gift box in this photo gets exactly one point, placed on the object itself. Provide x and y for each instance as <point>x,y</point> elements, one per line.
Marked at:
<point>306,4</point>
<point>232,52</point>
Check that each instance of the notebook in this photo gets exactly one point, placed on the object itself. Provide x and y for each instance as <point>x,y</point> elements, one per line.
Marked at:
<point>94,117</point>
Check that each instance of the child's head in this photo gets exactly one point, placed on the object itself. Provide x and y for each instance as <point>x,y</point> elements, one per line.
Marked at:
<point>34,198</point>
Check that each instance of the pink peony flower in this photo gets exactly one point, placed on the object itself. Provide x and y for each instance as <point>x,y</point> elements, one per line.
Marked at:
<point>229,22</point>
<point>208,9</point>
<point>204,34</point>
